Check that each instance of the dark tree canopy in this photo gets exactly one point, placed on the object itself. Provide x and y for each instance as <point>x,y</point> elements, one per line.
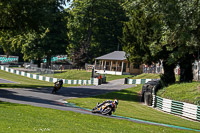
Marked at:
<point>149,31</point>
<point>95,28</point>
<point>23,15</point>
<point>163,30</point>
<point>36,28</point>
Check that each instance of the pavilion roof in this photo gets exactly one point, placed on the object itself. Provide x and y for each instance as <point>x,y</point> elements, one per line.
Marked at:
<point>116,55</point>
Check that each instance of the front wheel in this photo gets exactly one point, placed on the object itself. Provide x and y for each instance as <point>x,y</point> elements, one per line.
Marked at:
<point>95,110</point>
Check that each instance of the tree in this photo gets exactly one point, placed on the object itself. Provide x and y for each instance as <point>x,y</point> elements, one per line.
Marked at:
<point>36,28</point>
<point>181,29</point>
<point>55,40</point>
<point>162,30</point>
<point>23,15</point>
<point>95,27</point>
<point>141,39</point>
<point>52,42</point>
<point>1,50</point>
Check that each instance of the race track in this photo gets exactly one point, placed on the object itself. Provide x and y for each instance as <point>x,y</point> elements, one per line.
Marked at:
<point>6,81</point>
<point>42,97</point>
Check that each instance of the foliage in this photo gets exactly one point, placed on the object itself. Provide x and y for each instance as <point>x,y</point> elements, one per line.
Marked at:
<point>94,29</point>
<point>180,32</point>
<point>26,15</point>
<point>34,28</point>
<point>139,33</point>
<point>53,41</point>
<point>141,39</point>
<point>163,30</point>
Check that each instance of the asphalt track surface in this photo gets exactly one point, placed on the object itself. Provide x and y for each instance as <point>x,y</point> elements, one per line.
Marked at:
<point>42,97</point>
<point>6,81</point>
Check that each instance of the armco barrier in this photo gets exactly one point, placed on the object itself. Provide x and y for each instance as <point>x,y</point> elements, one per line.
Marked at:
<point>137,81</point>
<point>93,81</point>
<point>178,108</point>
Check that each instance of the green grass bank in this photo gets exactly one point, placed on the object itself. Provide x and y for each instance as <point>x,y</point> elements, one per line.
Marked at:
<point>130,106</point>
<point>185,92</point>
<point>31,119</point>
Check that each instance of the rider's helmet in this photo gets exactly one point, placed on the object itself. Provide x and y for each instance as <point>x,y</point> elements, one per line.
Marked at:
<point>116,102</point>
<point>60,81</point>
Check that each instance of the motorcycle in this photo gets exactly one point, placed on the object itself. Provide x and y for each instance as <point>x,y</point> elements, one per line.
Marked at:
<point>57,86</point>
<point>105,109</point>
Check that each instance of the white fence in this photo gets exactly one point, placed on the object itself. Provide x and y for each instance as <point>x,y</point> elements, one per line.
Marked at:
<point>178,108</point>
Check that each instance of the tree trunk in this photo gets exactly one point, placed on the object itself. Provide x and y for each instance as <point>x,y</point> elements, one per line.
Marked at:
<point>39,62</point>
<point>48,65</point>
<point>186,73</point>
<point>169,76</point>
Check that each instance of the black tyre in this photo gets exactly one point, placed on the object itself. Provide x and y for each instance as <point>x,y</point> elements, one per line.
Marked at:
<point>108,111</point>
<point>53,91</point>
<point>148,98</point>
<point>95,110</point>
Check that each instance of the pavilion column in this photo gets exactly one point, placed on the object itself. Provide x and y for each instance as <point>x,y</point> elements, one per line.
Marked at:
<point>101,65</point>
<point>105,65</point>
<point>111,66</point>
<point>116,65</point>
<point>122,66</point>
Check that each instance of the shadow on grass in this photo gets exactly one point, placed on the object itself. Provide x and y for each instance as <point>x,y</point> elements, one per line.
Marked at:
<point>16,98</point>
<point>125,95</point>
<point>4,85</point>
<point>22,86</point>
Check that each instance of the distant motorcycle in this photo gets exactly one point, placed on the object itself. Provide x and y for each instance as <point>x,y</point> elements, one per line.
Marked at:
<point>106,108</point>
<point>57,86</point>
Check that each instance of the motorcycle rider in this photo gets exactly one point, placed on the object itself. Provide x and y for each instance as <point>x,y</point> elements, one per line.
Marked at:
<point>113,104</point>
<point>57,85</point>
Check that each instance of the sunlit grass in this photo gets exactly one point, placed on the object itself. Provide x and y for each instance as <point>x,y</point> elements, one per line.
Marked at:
<point>186,92</point>
<point>17,118</point>
<point>130,106</point>
<point>146,76</point>
<point>22,82</point>
<point>84,75</point>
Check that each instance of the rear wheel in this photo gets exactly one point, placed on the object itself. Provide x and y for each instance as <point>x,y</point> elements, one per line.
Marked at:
<point>53,91</point>
<point>108,111</point>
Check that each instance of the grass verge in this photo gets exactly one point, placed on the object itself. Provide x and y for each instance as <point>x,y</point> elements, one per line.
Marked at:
<point>146,76</point>
<point>23,82</point>
<point>130,107</point>
<point>83,75</point>
<point>185,92</point>
<point>31,119</point>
